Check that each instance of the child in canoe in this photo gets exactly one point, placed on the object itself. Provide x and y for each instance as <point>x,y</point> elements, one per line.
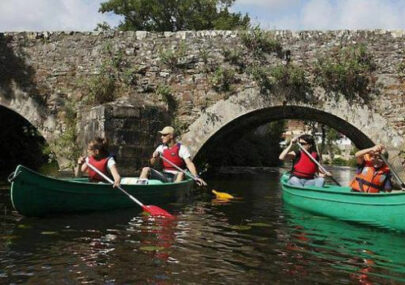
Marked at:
<point>373,175</point>
<point>100,158</point>
<point>304,168</point>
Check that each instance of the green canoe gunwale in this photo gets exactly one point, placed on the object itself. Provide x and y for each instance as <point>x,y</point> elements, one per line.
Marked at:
<point>380,209</point>
<point>34,194</point>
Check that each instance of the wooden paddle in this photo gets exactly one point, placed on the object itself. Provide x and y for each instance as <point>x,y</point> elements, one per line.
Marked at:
<point>219,195</point>
<point>316,162</point>
<point>153,210</point>
<point>401,183</point>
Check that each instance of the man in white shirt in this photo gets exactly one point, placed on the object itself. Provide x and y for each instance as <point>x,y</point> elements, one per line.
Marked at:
<point>174,155</point>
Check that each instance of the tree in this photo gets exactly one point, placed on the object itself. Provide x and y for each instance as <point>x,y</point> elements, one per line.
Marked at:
<point>176,15</point>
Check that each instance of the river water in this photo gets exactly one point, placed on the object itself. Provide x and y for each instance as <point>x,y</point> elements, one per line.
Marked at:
<point>253,239</point>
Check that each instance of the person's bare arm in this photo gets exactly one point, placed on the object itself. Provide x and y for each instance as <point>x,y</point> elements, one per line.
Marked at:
<point>116,176</point>
<point>191,167</point>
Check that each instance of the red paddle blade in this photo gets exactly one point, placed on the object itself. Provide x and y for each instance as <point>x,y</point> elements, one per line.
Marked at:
<point>157,212</point>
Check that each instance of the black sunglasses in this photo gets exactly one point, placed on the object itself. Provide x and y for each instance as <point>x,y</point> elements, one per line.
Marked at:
<point>304,143</point>
<point>163,135</point>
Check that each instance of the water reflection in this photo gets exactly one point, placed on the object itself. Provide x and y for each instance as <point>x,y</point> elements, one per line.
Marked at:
<point>361,251</point>
<point>254,239</point>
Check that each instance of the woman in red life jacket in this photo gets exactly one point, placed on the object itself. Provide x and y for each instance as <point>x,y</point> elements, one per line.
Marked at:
<point>373,175</point>
<point>100,158</point>
<point>176,153</point>
<point>304,169</point>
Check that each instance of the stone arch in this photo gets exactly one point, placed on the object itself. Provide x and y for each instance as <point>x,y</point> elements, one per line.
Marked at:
<point>249,109</point>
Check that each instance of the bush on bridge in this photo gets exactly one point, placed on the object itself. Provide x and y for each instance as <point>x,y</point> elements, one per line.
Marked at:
<point>347,71</point>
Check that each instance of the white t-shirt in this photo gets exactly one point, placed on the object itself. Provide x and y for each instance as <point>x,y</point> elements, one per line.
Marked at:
<point>111,162</point>
<point>183,153</point>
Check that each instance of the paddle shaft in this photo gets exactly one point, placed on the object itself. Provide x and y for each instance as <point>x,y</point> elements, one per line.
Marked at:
<point>316,162</point>
<point>393,171</point>
<point>112,182</point>
<point>178,168</point>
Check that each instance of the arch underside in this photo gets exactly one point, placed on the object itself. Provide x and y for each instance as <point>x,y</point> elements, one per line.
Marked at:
<point>247,122</point>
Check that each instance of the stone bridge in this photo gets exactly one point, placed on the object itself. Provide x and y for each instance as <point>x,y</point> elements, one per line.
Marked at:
<point>173,78</point>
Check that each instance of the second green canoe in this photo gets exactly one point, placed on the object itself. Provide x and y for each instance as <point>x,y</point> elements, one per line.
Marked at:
<point>385,210</point>
<point>33,194</point>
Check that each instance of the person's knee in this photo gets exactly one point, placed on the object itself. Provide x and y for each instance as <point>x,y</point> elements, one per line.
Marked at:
<point>294,181</point>
<point>146,169</point>
<point>179,177</point>
<point>319,182</point>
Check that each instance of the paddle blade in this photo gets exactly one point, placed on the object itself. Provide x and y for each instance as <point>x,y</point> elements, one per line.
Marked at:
<point>222,195</point>
<point>157,212</point>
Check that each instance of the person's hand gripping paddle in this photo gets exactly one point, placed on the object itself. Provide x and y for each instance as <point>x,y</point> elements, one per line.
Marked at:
<point>152,210</point>
<point>219,195</point>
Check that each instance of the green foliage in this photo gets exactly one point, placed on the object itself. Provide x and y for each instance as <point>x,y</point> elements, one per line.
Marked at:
<point>234,56</point>
<point>172,56</point>
<point>260,42</point>
<point>101,89</point>
<point>291,80</point>
<point>65,143</point>
<point>401,68</point>
<point>346,71</point>
<point>173,15</point>
<point>223,79</point>
<point>262,76</point>
<point>167,96</point>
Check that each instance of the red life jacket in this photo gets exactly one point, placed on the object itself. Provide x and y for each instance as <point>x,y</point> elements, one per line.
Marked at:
<point>172,154</point>
<point>100,165</point>
<point>304,167</point>
<point>370,179</point>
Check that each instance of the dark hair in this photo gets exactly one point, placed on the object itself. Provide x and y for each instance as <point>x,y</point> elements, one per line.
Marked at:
<point>100,144</point>
<point>310,140</point>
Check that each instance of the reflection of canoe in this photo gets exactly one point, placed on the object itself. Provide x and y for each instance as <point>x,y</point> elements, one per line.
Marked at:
<point>33,194</point>
<point>381,210</point>
<point>345,244</point>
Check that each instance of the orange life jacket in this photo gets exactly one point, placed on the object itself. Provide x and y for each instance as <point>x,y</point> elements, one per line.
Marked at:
<point>370,179</point>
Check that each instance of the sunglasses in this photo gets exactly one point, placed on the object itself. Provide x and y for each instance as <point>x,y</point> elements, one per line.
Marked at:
<point>164,135</point>
<point>304,143</point>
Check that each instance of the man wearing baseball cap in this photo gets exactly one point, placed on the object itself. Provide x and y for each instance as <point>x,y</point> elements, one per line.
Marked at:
<point>174,155</point>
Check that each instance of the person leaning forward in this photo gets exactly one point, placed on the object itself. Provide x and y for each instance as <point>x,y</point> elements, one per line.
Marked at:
<point>372,175</point>
<point>176,153</point>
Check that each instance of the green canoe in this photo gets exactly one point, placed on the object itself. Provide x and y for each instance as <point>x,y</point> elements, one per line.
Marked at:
<point>33,194</point>
<point>385,210</point>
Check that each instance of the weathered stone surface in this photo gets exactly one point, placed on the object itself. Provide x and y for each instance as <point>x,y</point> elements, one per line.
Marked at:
<point>52,67</point>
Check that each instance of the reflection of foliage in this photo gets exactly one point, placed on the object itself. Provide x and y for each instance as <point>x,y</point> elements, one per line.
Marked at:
<point>260,42</point>
<point>256,148</point>
<point>347,71</point>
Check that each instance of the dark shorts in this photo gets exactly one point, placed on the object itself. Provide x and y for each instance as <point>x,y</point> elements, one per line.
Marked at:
<point>162,176</point>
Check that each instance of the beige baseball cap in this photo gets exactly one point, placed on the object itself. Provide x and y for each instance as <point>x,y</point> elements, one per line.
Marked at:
<point>167,130</point>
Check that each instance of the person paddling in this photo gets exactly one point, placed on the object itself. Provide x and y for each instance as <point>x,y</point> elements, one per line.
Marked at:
<point>175,152</point>
<point>304,168</point>
<point>373,175</point>
<point>100,158</point>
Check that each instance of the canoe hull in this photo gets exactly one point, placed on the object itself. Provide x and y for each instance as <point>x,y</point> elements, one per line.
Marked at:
<point>33,194</point>
<point>384,210</point>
